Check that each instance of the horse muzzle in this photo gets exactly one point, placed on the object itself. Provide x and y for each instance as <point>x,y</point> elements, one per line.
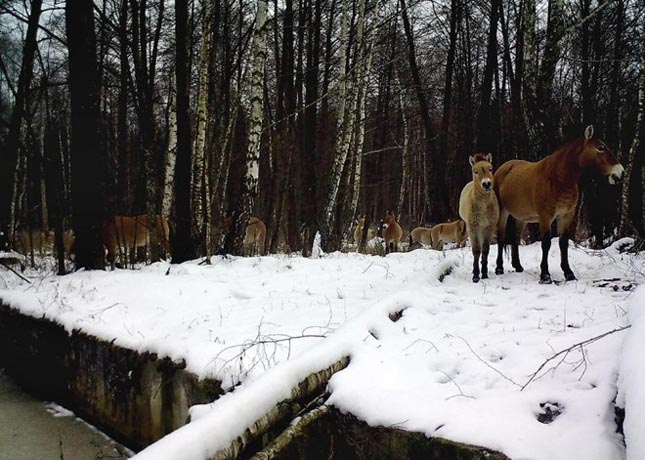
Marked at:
<point>487,185</point>
<point>616,174</point>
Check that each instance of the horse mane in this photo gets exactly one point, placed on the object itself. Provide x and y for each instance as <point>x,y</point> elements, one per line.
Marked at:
<point>564,159</point>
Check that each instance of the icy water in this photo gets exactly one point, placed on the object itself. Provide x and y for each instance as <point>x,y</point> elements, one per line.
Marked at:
<point>34,430</point>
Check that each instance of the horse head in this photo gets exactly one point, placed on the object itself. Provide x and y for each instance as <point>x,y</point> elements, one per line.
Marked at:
<point>595,153</point>
<point>482,171</point>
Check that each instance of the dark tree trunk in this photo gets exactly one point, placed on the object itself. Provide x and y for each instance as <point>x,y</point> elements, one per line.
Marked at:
<point>486,136</point>
<point>122,117</point>
<point>455,13</point>
<point>310,121</point>
<point>613,121</point>
<point>436,203</point>
<point>546,120</point>
<point>88,157</point>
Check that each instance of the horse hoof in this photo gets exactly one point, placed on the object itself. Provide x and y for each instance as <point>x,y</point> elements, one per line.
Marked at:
<point>484,276</point>
<point>518,268</point>
<point>570,277</point>
<point>475,279</point>
<point>545,279</point>
<point>499,271</point>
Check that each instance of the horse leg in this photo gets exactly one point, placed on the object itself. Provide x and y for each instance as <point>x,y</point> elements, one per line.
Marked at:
<point>515,252</point>
<point>545,231</point>
<point>501,235</point>
<point>485,250</point>
<point>564,230</point>
<point>476,253</point>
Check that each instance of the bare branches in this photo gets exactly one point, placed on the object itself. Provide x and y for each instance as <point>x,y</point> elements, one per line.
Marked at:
<point>564,353</point>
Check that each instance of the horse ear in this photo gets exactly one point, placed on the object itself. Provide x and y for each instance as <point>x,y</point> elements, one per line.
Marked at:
<point>489,157</point>
<point>471,160</point>
<point>589,132</point>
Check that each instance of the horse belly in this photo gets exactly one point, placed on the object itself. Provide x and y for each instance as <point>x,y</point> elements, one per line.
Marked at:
<point>516,194</point>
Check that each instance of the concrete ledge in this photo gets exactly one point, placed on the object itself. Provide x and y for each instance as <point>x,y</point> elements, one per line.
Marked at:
<point>134,397</point>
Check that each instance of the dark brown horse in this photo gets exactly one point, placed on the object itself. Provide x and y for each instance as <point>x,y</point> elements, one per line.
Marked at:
<point>547,191</point>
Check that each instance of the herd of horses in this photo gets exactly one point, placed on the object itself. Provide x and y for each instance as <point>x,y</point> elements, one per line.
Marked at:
<point>497,206</point>
<point>493,206</point>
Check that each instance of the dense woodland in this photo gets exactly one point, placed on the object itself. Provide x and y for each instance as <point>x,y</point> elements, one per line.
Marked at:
<point>305,113</point>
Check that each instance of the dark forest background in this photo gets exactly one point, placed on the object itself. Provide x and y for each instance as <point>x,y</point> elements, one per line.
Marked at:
<point>305,113</point>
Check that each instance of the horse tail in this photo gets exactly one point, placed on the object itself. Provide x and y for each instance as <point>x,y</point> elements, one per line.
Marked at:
<point>509,234</point>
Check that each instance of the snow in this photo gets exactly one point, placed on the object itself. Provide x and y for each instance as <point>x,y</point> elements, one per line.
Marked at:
<point>632,377</point>
<point>453,365</point>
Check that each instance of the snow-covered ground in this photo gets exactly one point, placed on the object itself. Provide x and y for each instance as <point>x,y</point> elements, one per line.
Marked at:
<point>459,363</point>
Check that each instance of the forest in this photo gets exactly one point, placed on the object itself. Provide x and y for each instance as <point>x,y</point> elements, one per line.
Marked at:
<point>304,113</point>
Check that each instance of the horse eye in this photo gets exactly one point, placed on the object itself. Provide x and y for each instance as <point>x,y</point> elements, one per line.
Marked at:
<point>490,169</point>
<point>600,148</point>
<point>475,172</point>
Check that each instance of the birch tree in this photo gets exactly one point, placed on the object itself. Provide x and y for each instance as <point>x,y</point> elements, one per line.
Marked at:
<point>199,195</point>
<point>235,236</point>
<point>625,210</point>
<point>171,154</point>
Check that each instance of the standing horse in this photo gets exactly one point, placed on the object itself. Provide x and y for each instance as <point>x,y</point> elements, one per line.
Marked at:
<point>449,232</point>
<point>358,231</point>
<point>547,191</point>
<point>421,235</point>
<point>392,232</point>
<point>254,237</point>
<point>479,209</point>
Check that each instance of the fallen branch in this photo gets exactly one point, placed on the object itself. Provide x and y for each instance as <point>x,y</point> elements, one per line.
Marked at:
<point>15,272</point>
<point>283,441</point>
<point>285,410</point>
<point>566,351</point>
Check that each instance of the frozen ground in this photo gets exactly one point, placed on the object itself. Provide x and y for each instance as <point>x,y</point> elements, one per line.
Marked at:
<point>454,365</point>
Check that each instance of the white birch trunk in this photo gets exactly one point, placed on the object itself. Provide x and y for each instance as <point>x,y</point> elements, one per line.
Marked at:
<point>257,102</point>
<point>624,209</point>
<point>404,157</point>
<point>345,124</point>
<point>199,157</point>
<point>365,68</point>
<point>171,156</point>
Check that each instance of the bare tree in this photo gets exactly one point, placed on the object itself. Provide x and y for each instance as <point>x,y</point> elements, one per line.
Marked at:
<point>88,156</point>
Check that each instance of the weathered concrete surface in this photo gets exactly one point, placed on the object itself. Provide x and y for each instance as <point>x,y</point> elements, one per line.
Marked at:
<point>343,436</point>
<point>135,398</point>
<point>29,431</point>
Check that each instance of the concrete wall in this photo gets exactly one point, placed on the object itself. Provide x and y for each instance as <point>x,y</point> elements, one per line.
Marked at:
<point>135,398</point>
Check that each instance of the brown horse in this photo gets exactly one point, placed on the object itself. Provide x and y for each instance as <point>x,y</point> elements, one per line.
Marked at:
<point>254,237</point>
<point>547,191</point>
<point>421,235</point>
<point>450,232</point>
<point>479,209</point>
<point>125,234</point>
<point>392,232</point>
<point>358,231</point>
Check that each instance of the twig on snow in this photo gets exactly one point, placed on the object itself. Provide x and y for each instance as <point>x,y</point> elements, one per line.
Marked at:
<point>566,351</point>
<point>497,371</point>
